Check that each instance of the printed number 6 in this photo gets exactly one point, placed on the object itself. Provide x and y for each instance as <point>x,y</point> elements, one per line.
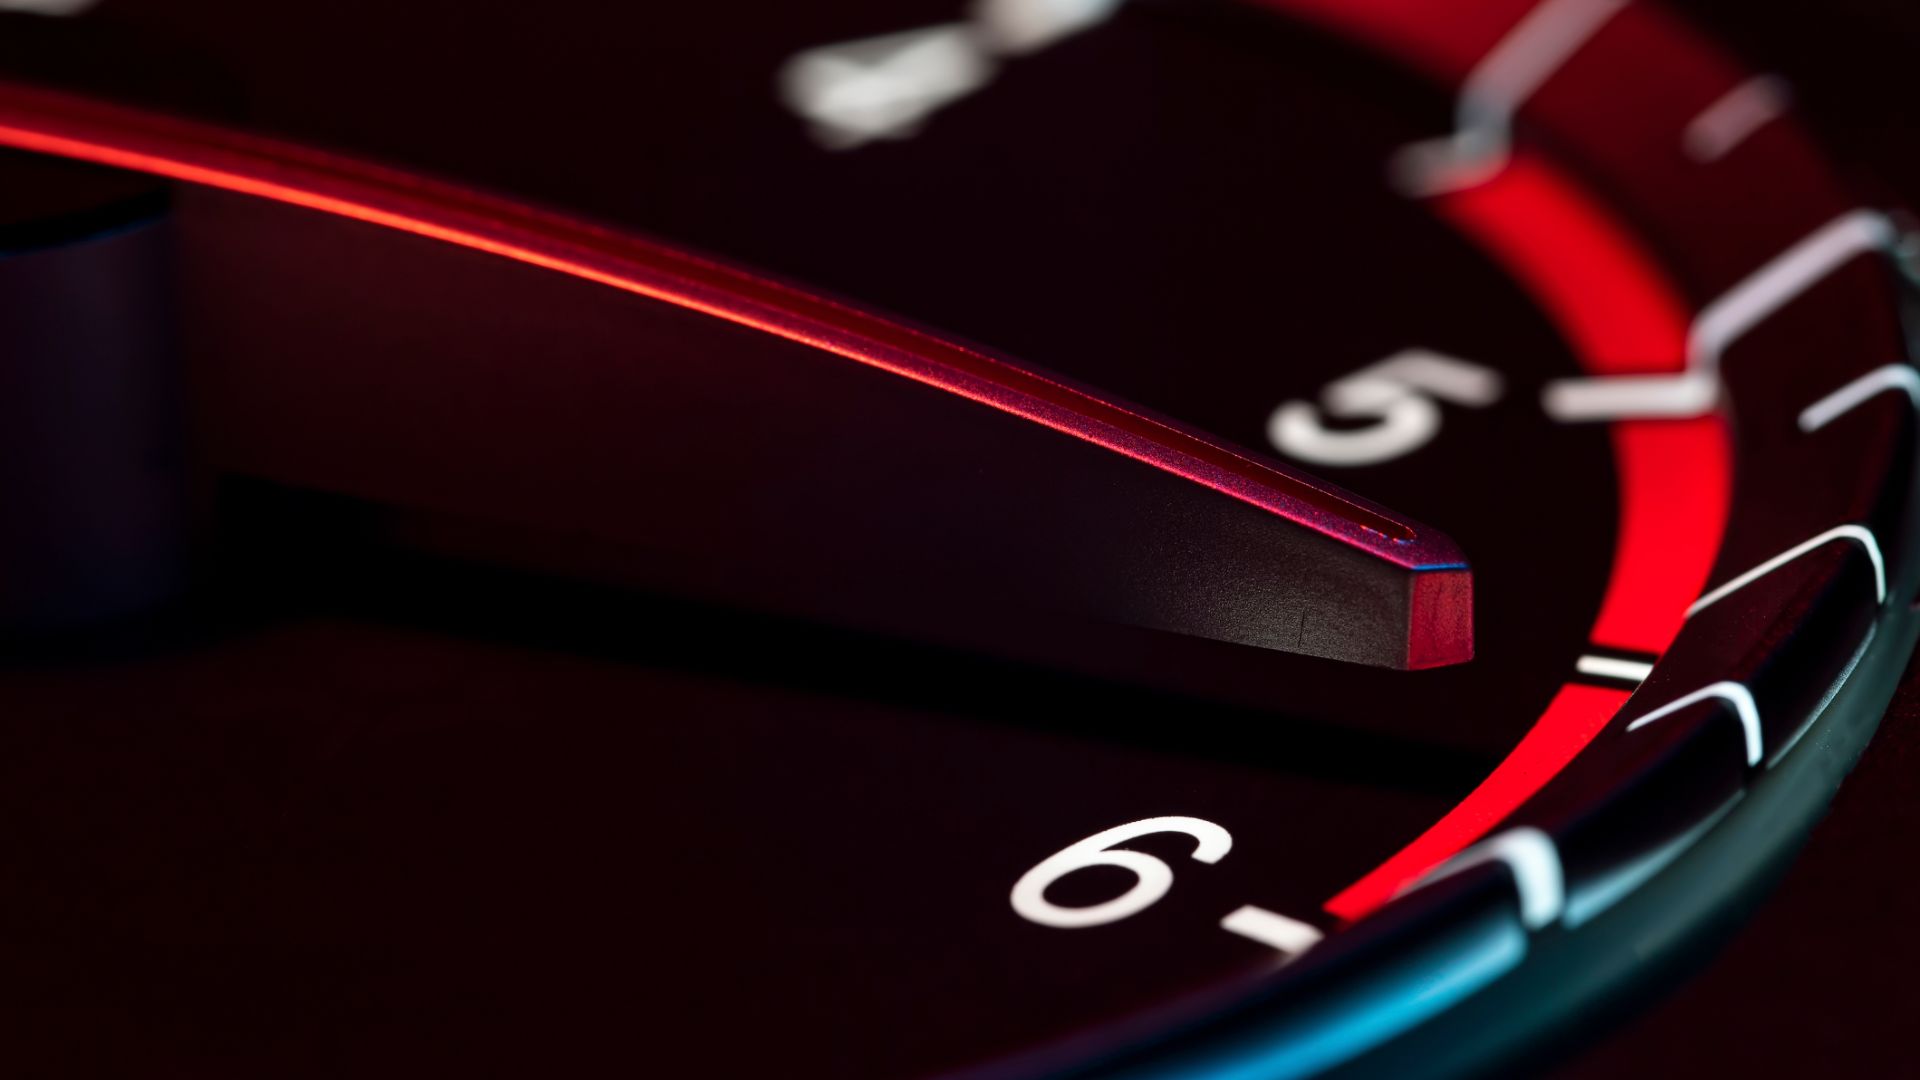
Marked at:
<point>1152,876</point>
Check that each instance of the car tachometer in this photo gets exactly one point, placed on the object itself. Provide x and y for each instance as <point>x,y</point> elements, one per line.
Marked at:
<point>747,539</point>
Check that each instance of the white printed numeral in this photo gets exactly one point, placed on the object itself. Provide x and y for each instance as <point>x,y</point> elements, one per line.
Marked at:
<point>1152,876</point>
<point>1398,394</point>
<point>56,8</point>
<point>883,87</point>
<point>1024,26</point>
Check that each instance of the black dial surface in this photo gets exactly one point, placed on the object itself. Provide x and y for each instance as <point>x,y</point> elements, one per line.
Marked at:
<point>740,539</point>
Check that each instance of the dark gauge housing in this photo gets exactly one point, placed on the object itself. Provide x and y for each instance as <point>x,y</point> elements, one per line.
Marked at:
<point>736,539</point>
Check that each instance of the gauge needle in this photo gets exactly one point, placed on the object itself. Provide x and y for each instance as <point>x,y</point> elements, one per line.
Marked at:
<point>743,440</point>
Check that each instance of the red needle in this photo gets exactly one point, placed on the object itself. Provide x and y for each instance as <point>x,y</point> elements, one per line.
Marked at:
<point>989,491</point>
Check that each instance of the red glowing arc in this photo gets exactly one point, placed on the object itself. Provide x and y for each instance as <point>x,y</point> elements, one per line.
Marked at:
<point>1622,316</point>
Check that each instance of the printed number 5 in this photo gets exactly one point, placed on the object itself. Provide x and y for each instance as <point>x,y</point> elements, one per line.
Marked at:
<point>1397,393</point>
<point>1152,877</point>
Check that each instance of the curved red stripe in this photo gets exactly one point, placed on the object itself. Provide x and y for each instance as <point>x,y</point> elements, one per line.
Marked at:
<point>1616,308</point>
<point>1621,315</point>
<point>1574,716</point>
<point>1603,291</point>
<point>1676,488</point>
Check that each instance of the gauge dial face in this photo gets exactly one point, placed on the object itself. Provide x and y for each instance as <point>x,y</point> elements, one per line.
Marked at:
<point>492,729</point>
